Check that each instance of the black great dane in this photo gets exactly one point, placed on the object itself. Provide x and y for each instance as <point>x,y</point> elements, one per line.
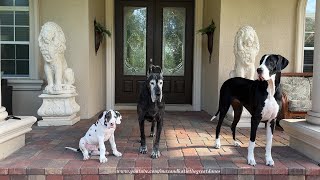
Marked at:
<point>151,108</point>
<point>260,97</point>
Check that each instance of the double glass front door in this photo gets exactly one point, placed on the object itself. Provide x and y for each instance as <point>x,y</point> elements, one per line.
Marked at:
<point>155,32</point>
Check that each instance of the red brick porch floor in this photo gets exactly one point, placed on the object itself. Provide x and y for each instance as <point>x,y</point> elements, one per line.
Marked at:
<point>186,149</point>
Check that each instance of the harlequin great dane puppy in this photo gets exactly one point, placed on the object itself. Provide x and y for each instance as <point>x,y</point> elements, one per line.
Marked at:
<point>260,97</point>
<point>101,131</point>
<point>151,108</point>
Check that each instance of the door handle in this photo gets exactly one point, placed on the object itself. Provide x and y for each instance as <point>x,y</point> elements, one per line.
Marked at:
<point>151,60</point>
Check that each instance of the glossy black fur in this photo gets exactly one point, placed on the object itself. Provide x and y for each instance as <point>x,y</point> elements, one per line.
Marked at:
<point>251,94</point>
<point>150,111</point>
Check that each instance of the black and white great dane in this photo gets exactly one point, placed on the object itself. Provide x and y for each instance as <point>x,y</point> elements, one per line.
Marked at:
<point>260,97</point>
<point>151,108</point>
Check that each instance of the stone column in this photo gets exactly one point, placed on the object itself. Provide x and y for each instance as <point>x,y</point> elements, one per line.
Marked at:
<point>313,116</point>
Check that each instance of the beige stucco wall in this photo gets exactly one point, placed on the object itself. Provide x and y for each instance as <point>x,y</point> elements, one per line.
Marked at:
<point>74,19</point>
<point>97,62</point>
<point>274,22</point>
<point>210,72</point>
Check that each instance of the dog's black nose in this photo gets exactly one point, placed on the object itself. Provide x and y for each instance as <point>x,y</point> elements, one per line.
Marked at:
<point>111,124</point>
<point>259,70</point>
<point>158,94</point>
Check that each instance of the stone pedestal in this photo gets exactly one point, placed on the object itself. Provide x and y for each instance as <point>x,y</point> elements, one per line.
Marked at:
<point>304,137</point>
<point>58,110</point>
<point>12,134</point>
<point>245,120</point>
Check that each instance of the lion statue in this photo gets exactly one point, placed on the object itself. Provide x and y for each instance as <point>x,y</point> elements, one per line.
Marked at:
<point>52,43</point>
<point>245,49</point>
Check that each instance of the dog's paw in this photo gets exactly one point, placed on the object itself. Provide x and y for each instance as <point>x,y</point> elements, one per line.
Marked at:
<point>143,149</point>
<point>86,157</point>
<point>152,134</point>
<point>117,153</point>
<point>251,161</point>
<point>236,143</point>
<point>155,154</point>
<point>103,159</point>
<point>269,161</point>
<point>217,144</point>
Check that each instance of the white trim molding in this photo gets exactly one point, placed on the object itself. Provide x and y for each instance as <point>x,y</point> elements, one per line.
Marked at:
<point>25,84</point>
<point>34,50</point>
<point>300,28</point>
<point>110,60</point>
<point>197,56</point>
<point>110,55</point>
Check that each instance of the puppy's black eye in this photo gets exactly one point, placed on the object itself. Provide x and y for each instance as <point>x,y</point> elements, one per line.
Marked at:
<point>152,83</point>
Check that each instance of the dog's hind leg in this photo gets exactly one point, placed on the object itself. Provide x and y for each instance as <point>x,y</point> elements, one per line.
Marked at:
<point>143,148</point>
<point>152,129</point>
<point>237,109</point>
<point>223,112</point>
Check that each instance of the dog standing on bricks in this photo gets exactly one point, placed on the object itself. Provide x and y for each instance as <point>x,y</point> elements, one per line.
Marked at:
<point>99,132</point>
<point>260,97</point>
<point>151,108</point>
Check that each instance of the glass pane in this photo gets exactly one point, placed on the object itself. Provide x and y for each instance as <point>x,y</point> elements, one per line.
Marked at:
<point>22,2</point>
<point>6,3</point>
<point>22,34</point>
<point>8,67</point>
<point>22,67</point>
<point>6,17</point>
<point>22,18</point>
<point>6,34</point>
<point>22,52</point>
<point>134,47</point>
<point>7,51</point>
<point>310,23</point>
<point>173,41</point>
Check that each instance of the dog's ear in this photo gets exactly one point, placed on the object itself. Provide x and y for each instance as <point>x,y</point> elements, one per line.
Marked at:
<point>150,70</point>
<point>282,63</point>
<point>119,117</point>
<point>102,114</point>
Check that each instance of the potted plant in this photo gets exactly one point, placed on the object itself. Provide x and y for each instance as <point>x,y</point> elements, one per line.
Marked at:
<point>209,30</point>
<point>100,32</point>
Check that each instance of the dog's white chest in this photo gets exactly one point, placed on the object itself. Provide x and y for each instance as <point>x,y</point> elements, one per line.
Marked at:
<point>270,109</point>
<point>108,134</point>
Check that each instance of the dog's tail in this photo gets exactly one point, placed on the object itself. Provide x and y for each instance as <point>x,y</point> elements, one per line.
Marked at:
<point>73,149</point>
<point>213,117</point>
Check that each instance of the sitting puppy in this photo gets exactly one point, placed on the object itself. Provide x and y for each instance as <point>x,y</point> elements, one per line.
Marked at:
<point>101,131</point>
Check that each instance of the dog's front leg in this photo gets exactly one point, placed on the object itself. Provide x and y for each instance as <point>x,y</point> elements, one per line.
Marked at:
<point>102,148</point>
<point>269,136</point>
<point>114,146</point>
<point>143,148</point>
<point>254,126</point>
<point>155,151</point>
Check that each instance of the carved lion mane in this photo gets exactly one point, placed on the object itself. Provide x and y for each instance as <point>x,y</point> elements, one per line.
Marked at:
<point>52,46</point>
<point>246,47</point>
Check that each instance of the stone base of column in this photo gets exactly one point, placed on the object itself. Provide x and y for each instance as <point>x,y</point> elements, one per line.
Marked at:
<point>58,110</point>
<point>304,137</point>
<point>3,113</point>
<point>245,120</point>
<point>12,134</point>
<point>59,121</point>
<point>313,118</point>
